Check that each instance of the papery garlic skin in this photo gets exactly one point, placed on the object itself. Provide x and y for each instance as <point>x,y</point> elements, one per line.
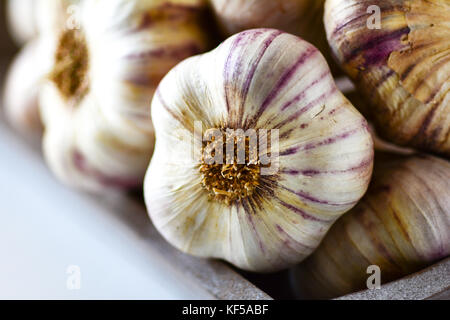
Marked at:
<point>20,96</point>
<point>303,18</point>
<point>257,79</point>
<point>288,15</point>
<point>101,137</point>
<point>22,19</point>
<point>402,69</point>
<point>401,225</point>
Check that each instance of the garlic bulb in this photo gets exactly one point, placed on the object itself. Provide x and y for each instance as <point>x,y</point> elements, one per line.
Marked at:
<point>293,16</point>
<point>303,18</point>
<point>270,209</point>
<point>95,104</point>
<point>20,100</point>
<point>21,18</point>
<point>401,66</point>
<point>401,226</point>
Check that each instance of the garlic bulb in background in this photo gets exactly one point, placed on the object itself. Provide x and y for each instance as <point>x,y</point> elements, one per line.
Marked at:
<point>259,215</point>
<point>401,225</point>
<point>95,103</point>
<point>20,95</point>
<point>21,18</point>
<point>401,68</point>
<point>32,64</point>
<point>303,18</point>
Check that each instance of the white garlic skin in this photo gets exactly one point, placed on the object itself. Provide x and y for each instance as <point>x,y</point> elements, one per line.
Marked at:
<point>103,140</point>
<point>21,18</point>
<point>20,96</point>
<point>260,79</point>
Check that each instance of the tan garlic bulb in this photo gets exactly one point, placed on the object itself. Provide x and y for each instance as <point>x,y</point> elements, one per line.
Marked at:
<point>401,225</point>
<point>106,64</point>
<point>303,18</point>
<point>20,95</point>
<point>290,153</point>
<point>22,19</point>
<point>397,52</point>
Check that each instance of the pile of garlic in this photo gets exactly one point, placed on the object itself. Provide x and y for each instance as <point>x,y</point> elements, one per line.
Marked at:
<point>259,159</point>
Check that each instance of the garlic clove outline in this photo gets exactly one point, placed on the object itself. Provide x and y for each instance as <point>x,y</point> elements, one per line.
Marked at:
<point>21,91</point>
<point>401,225</point>
<point>257,79</point>
<point>401,68</point>
<point>95,107</point>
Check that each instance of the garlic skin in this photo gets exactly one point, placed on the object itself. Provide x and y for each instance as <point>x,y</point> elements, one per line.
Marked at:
<point>21,19</point>
<point>401,225</point>
<point>401,69</point>
<point>20,96</point>
<point>303,18</point>
<point>95,103</point>
<point>257,79</point>
<point>292,16</point>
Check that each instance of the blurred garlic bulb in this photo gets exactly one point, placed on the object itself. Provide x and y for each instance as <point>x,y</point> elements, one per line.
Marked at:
<point>33,63</point>
<point>20,96</point>
<point>106,65</point>
<point>22,19</point>
<point>269,212</point>
<point>401,66</point>
<point>401,225</point>
<point>303,18</point>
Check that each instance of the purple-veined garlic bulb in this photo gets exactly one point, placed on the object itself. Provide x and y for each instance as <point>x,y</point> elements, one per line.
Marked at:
<point>106,64</point>
<point>400,226</point>
<point>398,54</point>
<point>266,204</point>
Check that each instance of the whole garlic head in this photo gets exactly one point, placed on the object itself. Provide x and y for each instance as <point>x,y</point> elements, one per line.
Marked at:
<point>259,215</point>
<point>95,104</point>
<point>401,225</point>
<point>401,66</point>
